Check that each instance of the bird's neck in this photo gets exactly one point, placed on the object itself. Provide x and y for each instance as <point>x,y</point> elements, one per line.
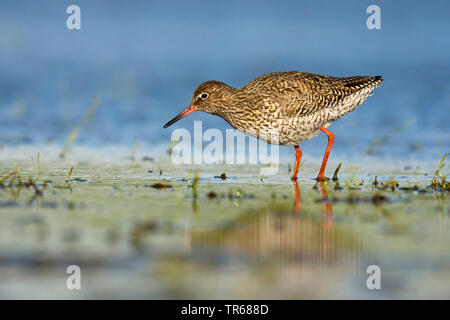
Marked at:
<point>227,103</point>
<point>234,107</point>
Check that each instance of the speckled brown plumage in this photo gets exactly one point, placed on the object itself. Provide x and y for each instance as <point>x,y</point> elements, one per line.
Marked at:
<point>283,107</point>
<point>293,104</point>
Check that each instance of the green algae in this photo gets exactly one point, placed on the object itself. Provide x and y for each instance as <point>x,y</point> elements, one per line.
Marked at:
<point>148,229</point>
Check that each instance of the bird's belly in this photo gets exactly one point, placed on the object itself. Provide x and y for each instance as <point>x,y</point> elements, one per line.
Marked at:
<point>294,132</point>
<point>285,131</point>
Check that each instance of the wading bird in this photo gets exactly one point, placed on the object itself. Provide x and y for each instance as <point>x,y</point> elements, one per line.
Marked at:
<point>290,106</point>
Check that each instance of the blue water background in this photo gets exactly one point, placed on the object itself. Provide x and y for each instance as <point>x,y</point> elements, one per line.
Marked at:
<point>145,58</point>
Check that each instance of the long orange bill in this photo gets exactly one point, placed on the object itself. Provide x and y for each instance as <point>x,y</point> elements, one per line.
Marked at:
<point>191,108</point>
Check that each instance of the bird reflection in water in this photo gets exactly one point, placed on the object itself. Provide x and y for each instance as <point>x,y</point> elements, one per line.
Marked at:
<point>327,208</point>
<point>297,196</point>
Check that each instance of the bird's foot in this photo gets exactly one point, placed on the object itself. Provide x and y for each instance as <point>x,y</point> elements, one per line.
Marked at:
<point>294,179</point>
<point>322,178</point>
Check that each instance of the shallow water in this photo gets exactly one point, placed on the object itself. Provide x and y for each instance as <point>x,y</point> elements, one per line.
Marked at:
<point>238,238</point>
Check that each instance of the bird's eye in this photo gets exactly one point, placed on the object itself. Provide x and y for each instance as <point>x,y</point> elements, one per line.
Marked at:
<point>204,96</point>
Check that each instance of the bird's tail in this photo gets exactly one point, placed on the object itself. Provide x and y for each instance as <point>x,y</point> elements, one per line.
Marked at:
<point>359,82</point>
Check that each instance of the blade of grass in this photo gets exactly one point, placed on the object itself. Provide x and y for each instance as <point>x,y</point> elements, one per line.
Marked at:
<point>69,174</point>
<point>7,176</point>
<point>76,130</point>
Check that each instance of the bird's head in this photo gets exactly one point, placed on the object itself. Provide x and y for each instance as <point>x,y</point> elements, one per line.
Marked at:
<point>211,97</point>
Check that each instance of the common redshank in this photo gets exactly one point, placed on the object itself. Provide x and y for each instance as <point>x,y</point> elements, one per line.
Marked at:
<point>295,105</point>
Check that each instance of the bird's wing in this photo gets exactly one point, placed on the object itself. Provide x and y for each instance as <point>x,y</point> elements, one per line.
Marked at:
<point>303,94</point>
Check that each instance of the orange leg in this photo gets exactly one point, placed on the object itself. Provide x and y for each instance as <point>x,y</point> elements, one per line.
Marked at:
<point>298,158</point>
<point>330,135</point>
